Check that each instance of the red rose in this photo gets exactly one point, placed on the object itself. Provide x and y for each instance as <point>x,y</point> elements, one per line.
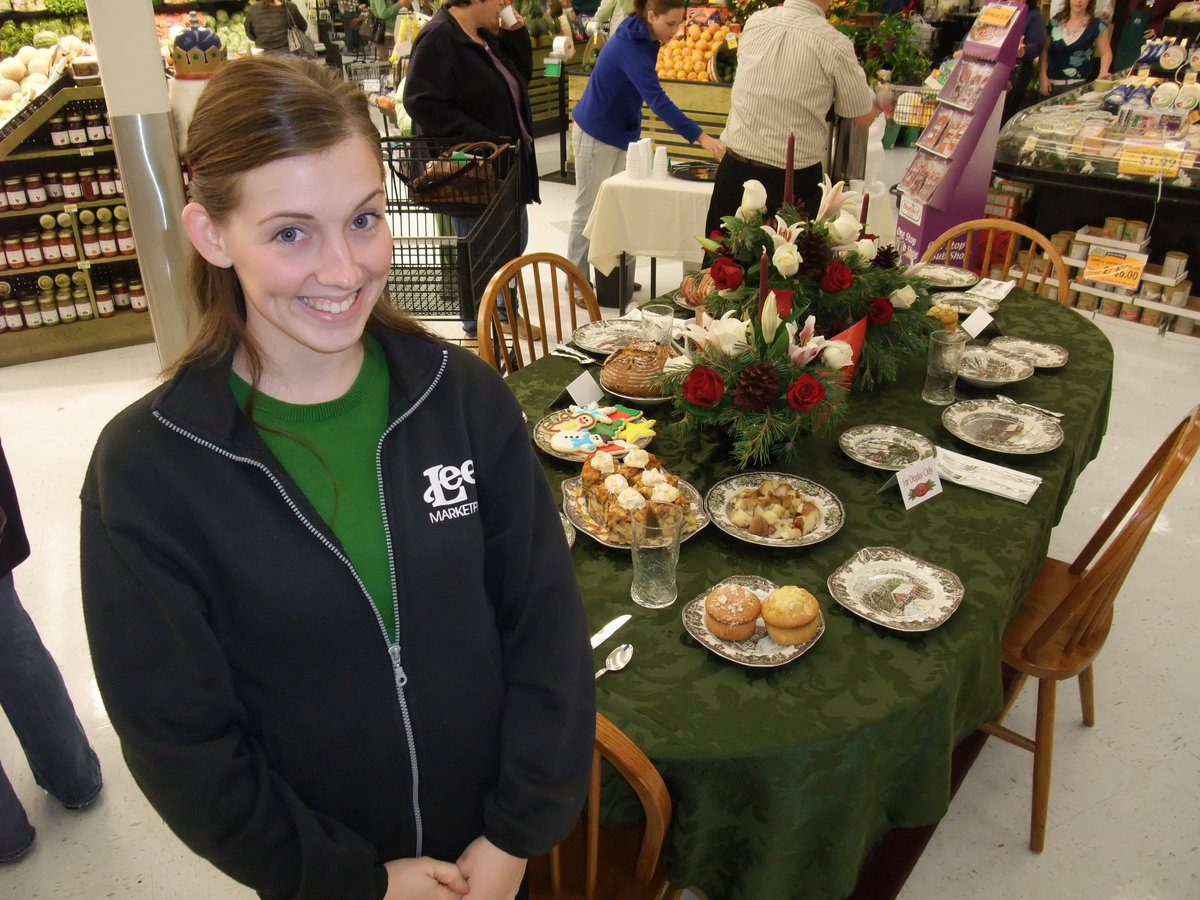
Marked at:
<point>703,387</point>
<point>725,273</point>
<point>881,311</point>
<point>783,302</point>
<point>837,277</point>
<point>805,393</point>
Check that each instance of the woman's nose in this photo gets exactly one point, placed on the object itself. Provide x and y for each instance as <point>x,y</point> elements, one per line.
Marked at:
<point>338,267</point>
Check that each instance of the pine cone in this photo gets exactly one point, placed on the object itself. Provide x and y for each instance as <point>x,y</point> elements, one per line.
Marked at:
<point>814,250</point>
<point>887,257</point>
<point>757,387</point>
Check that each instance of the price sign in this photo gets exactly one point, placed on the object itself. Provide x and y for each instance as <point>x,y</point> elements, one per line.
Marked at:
<point>997,15</point>
<point>1117,267</point>
<point>731,41</point>
<point>1149,159</point>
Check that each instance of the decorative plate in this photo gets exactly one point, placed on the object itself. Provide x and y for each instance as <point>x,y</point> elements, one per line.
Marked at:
<point>966,303</point>
<point>694,171</point>
<point>758,650</point>
<point>644,401</point>
<point>678,300</point>
<point>990,367</point>
<point>1040,354</point>
<point>607,336</point>
<point>946,277</point>
<point>568,530</point>
<point>896,589</point>
<point>887,447</point>
<point>721,496</point>
<point>1002,427</point>
<point>575,422</point>
<point>577,514</point>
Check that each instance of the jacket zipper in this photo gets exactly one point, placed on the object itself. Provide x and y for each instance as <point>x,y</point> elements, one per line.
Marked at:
<point>393,647</point>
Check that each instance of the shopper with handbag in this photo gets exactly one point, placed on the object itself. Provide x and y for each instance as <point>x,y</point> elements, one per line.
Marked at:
<point>268,23</point>
<point>383,27</point>
<point>467,82</point>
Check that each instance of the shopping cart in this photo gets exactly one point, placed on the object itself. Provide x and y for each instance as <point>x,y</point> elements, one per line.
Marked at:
<point>436,273</point>
<point>373,77</point>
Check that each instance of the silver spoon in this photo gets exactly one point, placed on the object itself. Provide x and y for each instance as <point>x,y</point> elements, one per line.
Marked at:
<point>617,660</point>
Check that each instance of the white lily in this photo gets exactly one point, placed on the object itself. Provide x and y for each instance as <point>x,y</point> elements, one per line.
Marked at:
<point>836,200</point>
<point>806,346</point>
<point>770,317</point>
<point>727,334</point>
<point>783,233</point>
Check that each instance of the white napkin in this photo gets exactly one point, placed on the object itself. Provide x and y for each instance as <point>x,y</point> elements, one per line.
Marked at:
<point>985,476</point>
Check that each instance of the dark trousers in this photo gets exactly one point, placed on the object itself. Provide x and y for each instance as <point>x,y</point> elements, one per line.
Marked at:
<point>733,173</point>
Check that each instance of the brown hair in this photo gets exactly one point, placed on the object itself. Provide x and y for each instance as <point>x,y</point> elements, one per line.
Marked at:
<point>255,111</point>
<point>1065,12</point>
<point>658,7</point>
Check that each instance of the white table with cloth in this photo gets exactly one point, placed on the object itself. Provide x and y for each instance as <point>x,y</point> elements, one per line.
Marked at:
<point>655,217</point>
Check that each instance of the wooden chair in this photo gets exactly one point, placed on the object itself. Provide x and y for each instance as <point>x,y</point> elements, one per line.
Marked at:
<point>981,233</point>
<point>535,280</point>
<point>1066,616</point>
<point>620,864</point>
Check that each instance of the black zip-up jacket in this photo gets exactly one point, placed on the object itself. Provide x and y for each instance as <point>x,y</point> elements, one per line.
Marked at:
<point>453,91</point>
<point>247,673</point>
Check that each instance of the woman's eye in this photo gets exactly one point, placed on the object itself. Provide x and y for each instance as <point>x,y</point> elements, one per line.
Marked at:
<point>288,235</point>
<point>363,220</point>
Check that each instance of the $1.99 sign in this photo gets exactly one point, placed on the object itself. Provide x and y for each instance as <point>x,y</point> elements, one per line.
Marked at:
<point>1117,267</point>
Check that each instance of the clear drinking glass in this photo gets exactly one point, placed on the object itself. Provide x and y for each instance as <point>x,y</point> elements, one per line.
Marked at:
<point>941,372</point>
<point>658,322</point>
<point>655,555</point>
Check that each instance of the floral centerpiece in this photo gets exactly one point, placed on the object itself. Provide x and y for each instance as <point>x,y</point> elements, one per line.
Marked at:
<point>824,267</point>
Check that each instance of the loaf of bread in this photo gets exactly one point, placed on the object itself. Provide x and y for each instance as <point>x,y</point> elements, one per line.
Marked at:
<point>630,370</point>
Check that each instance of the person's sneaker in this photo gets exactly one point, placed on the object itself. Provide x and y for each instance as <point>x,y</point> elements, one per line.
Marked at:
<point>86,802</point>
<point>13,855</point>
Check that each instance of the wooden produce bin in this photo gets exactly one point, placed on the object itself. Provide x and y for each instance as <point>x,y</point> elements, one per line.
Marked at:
<point>706,102</point>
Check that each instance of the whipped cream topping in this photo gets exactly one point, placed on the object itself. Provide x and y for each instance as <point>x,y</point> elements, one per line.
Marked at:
<point>629,499</point>
<point>637,458</point>
<point>664,493</point>
<point>602,462</point>
<point>652,477</point>
<point>614,484</point>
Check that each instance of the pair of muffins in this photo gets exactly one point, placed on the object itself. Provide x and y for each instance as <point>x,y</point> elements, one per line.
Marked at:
<point>791,614</point>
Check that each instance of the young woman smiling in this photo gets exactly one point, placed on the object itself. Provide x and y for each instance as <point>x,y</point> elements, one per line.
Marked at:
<point>330,606</point>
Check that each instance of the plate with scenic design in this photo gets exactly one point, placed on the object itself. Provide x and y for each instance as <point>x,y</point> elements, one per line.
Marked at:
<point>1039,353</point>
<point>722,495</point>
<point>966,303</point>
<point>568,530</point>
<point>1003,427</point>
<point>758,650</point>
<point>575,509</point>
<point>887,447</point>
<point>694,171</point>
<point>946,277</point>
<point>572,426</point>
<point>896,589</point>
<point>607,336</point>
<point>991,367</point>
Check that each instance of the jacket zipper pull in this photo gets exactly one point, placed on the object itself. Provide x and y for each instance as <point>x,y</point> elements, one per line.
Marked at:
<point>397,669</point>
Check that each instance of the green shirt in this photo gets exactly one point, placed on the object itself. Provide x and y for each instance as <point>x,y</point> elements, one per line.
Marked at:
<point>329,451</point>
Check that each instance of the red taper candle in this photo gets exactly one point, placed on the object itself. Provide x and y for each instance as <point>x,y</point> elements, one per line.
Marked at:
<point>763,276</point>
<point>789,169</point>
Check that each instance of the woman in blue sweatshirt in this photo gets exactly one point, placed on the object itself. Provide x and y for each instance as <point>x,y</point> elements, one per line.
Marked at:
<point>609,114</point>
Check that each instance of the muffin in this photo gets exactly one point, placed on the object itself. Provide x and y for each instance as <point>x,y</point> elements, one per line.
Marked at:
<point>731,612</point>
<point>791,614</point>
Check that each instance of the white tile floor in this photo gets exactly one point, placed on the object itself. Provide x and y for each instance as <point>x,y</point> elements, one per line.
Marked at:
<point>1125,803</point>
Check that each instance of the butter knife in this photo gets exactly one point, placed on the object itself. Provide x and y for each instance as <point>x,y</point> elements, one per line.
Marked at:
<point>608,630</point>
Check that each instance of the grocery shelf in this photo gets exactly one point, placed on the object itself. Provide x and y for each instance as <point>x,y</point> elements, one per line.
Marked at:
<point>69,339</point>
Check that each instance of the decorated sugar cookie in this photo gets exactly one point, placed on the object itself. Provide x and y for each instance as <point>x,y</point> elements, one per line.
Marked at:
<point>578,431</point>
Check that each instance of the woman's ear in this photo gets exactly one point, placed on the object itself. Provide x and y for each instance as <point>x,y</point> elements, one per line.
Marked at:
<point>203,233</point>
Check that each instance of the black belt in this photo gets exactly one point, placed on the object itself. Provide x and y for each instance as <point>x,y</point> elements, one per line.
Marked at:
<point>737,157</point>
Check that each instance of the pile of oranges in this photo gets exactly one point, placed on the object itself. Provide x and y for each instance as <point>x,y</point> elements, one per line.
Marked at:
<point>685,57</point>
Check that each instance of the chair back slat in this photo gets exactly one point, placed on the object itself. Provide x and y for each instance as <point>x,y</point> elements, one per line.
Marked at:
<point>940,248</point>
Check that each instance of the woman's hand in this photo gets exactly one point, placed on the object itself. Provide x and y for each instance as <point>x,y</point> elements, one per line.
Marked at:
<point>1044,85</point>
<point>491,873</point>
<point>517,25</point>
<point>712,145</point>
<point>424,878</point>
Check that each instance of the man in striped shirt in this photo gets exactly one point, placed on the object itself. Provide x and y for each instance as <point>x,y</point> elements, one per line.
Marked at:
<point>793,66</point>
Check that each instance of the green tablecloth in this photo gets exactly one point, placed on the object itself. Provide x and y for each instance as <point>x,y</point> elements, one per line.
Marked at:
<point>783,779</point>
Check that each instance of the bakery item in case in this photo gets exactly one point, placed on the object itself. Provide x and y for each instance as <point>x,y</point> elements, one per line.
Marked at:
<point>731,612</point>
<point>791,614</point>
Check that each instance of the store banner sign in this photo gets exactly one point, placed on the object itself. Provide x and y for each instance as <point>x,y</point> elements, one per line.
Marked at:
<point>1150,159</point>
<point>1108,265</point>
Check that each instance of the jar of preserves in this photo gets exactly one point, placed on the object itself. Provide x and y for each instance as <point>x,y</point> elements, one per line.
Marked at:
<point>95,128</point>
<point>50,249</point>
<point>31,313</point>
<point>31,247</point>
<point>104,301</point>
<point>53,186</point>
<point>66,308</point>
<point>14,190</point>
<point>125,242</point>
<point>3,199</point>
<point>12,316</point>
<point>58,131</point>
<point>48,309</point>
<point>118,184</point>
<point>137,295</point>
<point>14,252</point>
<point>70,186</point>
<point>83,306</point>
<point>108,182</point>
<point>66,245</point>
<point>107,128</point>
<point>120,290</point>
<point>90,241</point>
<point>76,132</point>
<point>89,184</point>
<point>108,240</point>
<point>35,190</point>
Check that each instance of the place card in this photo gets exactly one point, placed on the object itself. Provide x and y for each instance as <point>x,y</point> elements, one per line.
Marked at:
<point>917,482</point>
<point>583,391</point>
<point>976,322</point>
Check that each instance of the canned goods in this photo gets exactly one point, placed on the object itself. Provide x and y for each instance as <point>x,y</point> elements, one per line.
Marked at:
<point>95,128</point>
<point>31,246</point>
<point>137,295</point>
<point>91,242</point>
<point>1131,312</point>
<point>14,190</point>
<point>12,315</point>
<point>76,132</point>
<point>125,242</point>
<point>58,131</point>
<point>108,240</point>
<point>83,306</point>
<point>104,301</point>
<point>1109,306</point>
<point>35,190</point>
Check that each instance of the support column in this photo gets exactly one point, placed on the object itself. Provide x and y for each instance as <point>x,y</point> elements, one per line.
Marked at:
<point>139,111</point>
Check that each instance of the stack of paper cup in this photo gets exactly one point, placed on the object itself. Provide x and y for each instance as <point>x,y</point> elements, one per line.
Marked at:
<point>660,162</point>
<point>635,164</point>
